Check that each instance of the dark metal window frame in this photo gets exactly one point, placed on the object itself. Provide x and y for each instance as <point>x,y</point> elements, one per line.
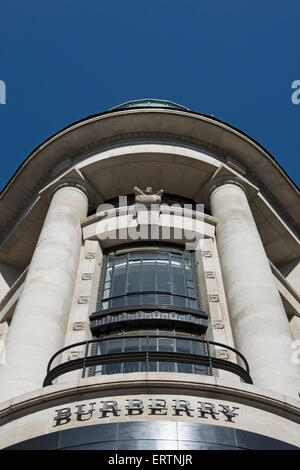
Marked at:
<point>156,347</point>
<point>154,248</point>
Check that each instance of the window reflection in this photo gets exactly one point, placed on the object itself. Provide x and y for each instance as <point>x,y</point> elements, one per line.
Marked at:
<point>149,277</point>
<point>150,340</point>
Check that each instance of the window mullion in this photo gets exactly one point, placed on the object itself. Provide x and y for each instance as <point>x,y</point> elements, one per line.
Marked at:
<point>126,277</point>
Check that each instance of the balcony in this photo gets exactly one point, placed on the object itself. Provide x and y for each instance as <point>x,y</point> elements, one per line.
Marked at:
<point>146,352</point>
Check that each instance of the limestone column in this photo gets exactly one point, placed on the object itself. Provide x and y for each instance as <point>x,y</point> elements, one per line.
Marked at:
<point>40,319</point>
<point>260,326</point>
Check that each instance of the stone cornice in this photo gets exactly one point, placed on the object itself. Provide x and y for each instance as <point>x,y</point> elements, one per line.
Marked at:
<point>136,138</point>
<point>144,383</point>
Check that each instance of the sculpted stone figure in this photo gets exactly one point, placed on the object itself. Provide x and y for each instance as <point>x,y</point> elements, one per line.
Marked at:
<point>147,196</point>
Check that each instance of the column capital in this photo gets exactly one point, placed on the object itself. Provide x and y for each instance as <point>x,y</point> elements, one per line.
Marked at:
<point>71,183</point>
<point>219,181</point>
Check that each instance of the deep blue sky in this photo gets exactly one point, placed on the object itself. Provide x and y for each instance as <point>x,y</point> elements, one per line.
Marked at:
<point>65,60</point>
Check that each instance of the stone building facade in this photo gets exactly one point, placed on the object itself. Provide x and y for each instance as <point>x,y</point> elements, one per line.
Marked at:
<point>149,286</point>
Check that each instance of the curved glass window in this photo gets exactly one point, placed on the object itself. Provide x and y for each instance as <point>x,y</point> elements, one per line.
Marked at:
<point>164,341</point>
<point>148,276</point>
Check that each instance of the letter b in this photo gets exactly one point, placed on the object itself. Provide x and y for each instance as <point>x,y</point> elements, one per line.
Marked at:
<point>63,416</point>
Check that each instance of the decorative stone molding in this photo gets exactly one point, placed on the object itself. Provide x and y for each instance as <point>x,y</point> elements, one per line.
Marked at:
<point>222,354</point>
<point>213,298</point>
<point>226,179</point>
<point>73,183</point>
<point>73,355</point>
<point>83,300</point>
<point>90,256</point>
<point>210,274</point>
<point>79,325</point>
<point>206,253</point>
<point>100,145</point>
<point>218,324</point>
<point>87,276</point>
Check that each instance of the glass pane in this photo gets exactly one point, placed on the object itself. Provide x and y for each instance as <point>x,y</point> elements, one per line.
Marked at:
<point>131,367</point>
<point>162,261</point>
<point>134,276</point>
<point>135,256</point>
<point>143,366</point>
<point>149,299</point>
<point>191,292</point>
<point>108,274</point>
<point>134,299</point>
<point>144,344</point>
<point>176,263</point>
<point>118,302</point>
<point>178,280</point>
<point>131,344</point>
<point>185,368</point>
<point>162,257</point>
<point>119,278</point>
<point>193,304</point>
<point>148,275</point>
<point>152,344</point>
<point>152,366</point>
<point>106,294</point>
<point>163,277</point>
<point>114,346</point>
<point>112,369</point>
<point>166,344</point>
<point>167,367</point>
<point>101,348</point>
<point>198,348</point>
<point>178,301</point>
<point>148,256</point>
<point>188,272</point>
<point>201,370</point>
<point>164,299</point>
<point>183,346</point>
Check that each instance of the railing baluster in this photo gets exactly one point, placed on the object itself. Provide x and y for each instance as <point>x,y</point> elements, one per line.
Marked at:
<point>147,353</point>
<point>210,368</point>
<point>86,350</point>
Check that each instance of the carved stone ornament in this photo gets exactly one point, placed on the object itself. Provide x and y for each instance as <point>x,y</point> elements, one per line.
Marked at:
<point>147,196</point>
<point>210,274</point>
<point>206,253</point>
<point>213,298</point>
<point>79,325</point>
<point>222,354</point>
<point>218,324</point>
<point>90,256</point>
<point>74,355</point>
<point>87,276</point>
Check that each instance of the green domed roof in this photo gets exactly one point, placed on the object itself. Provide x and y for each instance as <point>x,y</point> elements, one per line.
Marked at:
<point>149,103</point>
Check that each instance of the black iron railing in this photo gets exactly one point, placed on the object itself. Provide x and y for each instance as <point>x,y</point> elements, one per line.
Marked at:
<point>97,353</point>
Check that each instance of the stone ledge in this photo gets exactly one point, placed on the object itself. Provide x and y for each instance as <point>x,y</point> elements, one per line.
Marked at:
<point>53,395</point>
